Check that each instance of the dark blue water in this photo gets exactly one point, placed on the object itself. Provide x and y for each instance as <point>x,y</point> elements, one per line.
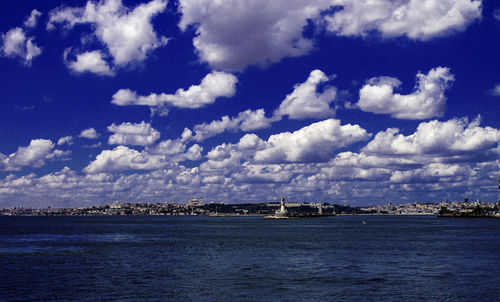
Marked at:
<point>391,258</point>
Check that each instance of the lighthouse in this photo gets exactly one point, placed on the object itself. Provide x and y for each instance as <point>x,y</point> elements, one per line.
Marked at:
<point>498,205</point>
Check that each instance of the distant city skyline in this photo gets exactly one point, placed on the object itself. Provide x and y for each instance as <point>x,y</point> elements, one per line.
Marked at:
<point>345,102</point>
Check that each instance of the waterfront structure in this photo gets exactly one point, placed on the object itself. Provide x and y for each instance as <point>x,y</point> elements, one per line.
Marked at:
<point>116,205</point>
<point>281,213</point>
<point>498,204</point>
<point>194,203</point>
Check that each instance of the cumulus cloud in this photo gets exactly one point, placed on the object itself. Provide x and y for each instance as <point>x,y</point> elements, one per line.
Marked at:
<point>91,61</point>
<point>127,34</point>
<point>313,143</point>
<point>32,20</point>
<point>193,153</point>
<point>247,120</point>
<point>34,155</point>
<point>252,173</point>
<point>351,174</point>
<point>232,35</point>
<point>434,172</point>
<point>168,147</point>
<point>89,133</point>
<point>427,101</point>
<point>453,138</point>
<point>214,85</point>
<point>65,140</point>
<point>175,150</point>
<point>253,182</point>
<point>227,157</point>
<point>306,102</point>
<point>333,181</point>
<point>363,160</point>
<point>416,19</point>
<point>123,158</point>
<point>16,44</point>
<point>139,134</point>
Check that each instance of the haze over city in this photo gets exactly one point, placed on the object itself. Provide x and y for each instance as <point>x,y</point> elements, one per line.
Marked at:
<point>338,101</point>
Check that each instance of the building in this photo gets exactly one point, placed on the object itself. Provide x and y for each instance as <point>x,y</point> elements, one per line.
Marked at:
<point>194,203</point>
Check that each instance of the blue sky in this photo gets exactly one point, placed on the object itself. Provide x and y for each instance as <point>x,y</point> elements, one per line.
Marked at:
<point>244,101</point>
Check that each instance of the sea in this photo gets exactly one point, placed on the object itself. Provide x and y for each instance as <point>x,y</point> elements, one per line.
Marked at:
<point>199,258</point>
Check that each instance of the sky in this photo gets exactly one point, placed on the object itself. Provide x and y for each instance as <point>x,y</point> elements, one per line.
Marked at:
<point>342,101</point>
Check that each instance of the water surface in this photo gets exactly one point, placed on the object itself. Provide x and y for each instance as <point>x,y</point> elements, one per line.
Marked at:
<point>386,258</point>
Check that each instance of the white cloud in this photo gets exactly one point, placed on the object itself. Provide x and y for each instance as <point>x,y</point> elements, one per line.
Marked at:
<point>89,133</point>
<point>263,174</point>
<point>194,152</point>
<point>168,147</point>
<point>34,155</point>
<point>416,19</point>
<point>230,35</point>
<point>313,143</point>
<point>229,163</point>
<point>426,101</point>
<point>123,158</point>
<point>139,134</point>
<point>434,172</point>
<point>65,140</point>
<point>186,134</point>
<point>204,131</point>
<point>252,182</point>
<point>32,50</point>
<point>305,101</point>
<point>247,120</point>
<point>227,158</point>
<point>234,34</point>
<point>91,61</point>
<point>446,139</point>
<point>32,20</point>
<point>350,159</point>
<point>213,179</point>
<point>251,120</point>
<point>251,142</point>
<point>16,44</point>
<point>351,174</point>
<point>213,85</point>
<point>175,150</point>
<point>128,34</point>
